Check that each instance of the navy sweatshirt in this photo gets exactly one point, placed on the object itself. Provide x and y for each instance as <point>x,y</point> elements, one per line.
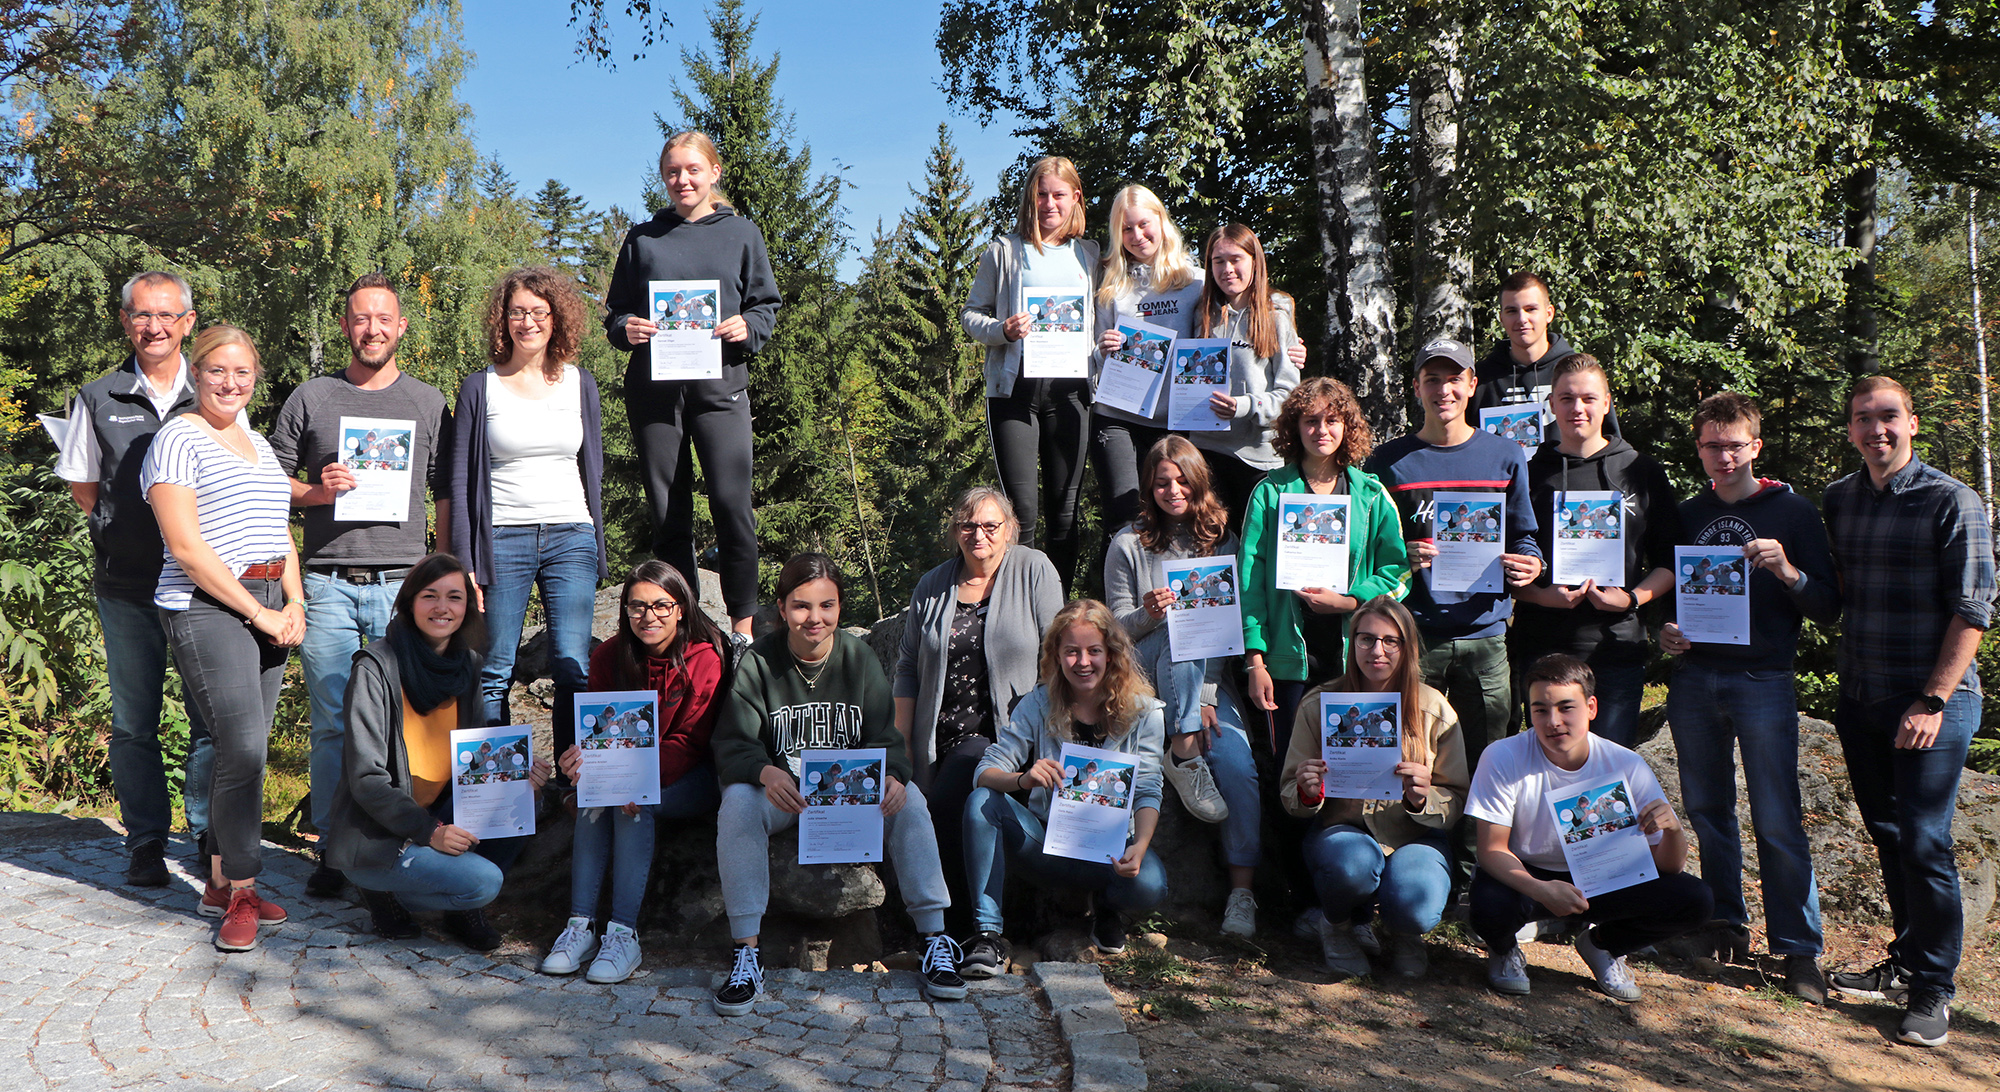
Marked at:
<point>1775,610</point>
<point>721,247</point>
<point>1412,470</point>
<point>1502,381</point>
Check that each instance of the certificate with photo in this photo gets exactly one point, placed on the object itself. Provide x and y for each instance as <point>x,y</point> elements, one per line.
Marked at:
<point>1601,837</point>
<point>1057,345</point>
<point>685,314</point>
<point>1133,375</point>
<point>1520,422</point>
<point>842,823</point>
<point>1200,370</point>
<point>1589,539</point>
<point>1206,617</point>
<point>1312,542</point>
<point>618,732</point>
<point>1361,741</point>
<point>1090,811</point>
<point>1712,594</point>
<point>491,795</point>
<point>378,450</point>
<point>1469,530</point>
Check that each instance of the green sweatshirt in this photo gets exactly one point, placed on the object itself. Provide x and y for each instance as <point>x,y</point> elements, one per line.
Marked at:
<point>775,715</point>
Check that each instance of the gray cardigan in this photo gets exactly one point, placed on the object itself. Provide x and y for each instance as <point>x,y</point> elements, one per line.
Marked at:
<point>1027,738</point>
<point>1026,595</point>
<point>1130,571</point>
<point>996,292</point>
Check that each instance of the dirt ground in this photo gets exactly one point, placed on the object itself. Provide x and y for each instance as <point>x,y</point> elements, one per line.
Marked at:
<point>1218,1016</point>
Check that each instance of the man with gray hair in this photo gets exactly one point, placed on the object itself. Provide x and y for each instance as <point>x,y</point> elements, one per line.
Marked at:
<point>111,427</point>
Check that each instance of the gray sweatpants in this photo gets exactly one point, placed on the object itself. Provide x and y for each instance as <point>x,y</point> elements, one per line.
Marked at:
<point>743,856</point>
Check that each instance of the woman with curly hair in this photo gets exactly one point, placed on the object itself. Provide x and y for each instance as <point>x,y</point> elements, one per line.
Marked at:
<point>527,469</point>
<point>1094,693</point>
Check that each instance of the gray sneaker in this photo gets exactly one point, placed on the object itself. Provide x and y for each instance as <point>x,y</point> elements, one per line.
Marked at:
<point>617,958</point>
<point>1366,938</point>
<point>1343,956</point>
<point>1507,971</point>
<point>1196,785</point>
<point>1408,957</point>
<point>1613,977</point>
<point>1239,918</point>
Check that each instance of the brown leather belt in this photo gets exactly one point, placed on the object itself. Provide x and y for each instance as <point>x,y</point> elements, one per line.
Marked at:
<point>264,570</point>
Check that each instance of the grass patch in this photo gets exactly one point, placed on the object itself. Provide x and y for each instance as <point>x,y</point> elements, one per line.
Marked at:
<point>1155,967</point>
<point>1171,1006</point>
<point>1522,1045</point>
<point>1778,995</point>
<point>1226,1004</point>
<point>1746,1045</point>
<point>1456,932</point>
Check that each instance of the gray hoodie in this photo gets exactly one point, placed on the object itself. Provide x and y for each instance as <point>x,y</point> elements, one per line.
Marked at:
<point>1259,386</point>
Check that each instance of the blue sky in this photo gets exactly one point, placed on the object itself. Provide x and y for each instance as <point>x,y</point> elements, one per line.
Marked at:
<point>862,87</point>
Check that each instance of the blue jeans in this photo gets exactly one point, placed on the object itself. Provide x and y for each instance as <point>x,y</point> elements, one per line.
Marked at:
<point>1001,833</point>
<point>561,558</point>
<point>1711,713</point>
<point>340,619</point>
<point>1236,775</point>
<point>1907,798</point>
<point>1178,684</point>
<point>135,662</point>
<point>1621,689</point>
<point>1351,873</point>
<point>607,838</point>
<point>425,879</point>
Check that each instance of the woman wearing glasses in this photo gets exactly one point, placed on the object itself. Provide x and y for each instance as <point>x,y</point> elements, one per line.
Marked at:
<point>664,644</point>
<point>527,465</point>
<point>970,649</point>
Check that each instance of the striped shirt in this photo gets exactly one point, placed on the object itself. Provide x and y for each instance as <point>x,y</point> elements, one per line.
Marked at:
<point>244,509</point>
<point>1911,557</point>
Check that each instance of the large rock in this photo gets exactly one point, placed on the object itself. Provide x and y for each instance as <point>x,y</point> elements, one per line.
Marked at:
<point>1844,858</point>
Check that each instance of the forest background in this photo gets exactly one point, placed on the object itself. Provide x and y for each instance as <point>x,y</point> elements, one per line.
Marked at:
<point>1773,198</point>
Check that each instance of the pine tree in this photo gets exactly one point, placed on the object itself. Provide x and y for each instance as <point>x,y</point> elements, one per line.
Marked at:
<point>566,225</point>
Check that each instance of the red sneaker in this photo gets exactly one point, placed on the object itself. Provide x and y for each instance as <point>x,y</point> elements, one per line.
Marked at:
<point>239,922</point>
<point>215,903</point>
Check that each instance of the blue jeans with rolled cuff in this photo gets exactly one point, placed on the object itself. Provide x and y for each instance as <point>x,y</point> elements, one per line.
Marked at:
<point>1001,834</point>
<point>607,839</point>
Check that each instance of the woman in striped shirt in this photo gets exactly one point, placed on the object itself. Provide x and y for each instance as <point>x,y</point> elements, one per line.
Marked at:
<point>230,597</point>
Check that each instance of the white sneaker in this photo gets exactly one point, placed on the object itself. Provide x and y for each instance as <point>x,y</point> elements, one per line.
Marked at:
<point>572,950</point>
<point>1408,957</point>
<point>1366,940</point>
<point>1613,976</point>
<point>1239,918</point>
<point>617,958</point>
<point>1343,956</point>
<point>1507,972</point>
<point>1196,786</point>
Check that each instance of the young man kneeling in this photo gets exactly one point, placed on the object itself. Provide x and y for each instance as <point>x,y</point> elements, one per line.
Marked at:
<point>1523,874</point>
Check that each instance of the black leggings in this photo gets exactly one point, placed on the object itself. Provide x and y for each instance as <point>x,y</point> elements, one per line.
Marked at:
<point>1041,434</point>
<point>665,418</point>
<point>1232,479</point>
<point>1117,449</point>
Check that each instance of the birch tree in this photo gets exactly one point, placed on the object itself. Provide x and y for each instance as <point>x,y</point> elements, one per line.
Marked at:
<point>1440,255</point>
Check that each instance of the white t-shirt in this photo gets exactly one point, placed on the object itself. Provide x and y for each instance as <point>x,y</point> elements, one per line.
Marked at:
<point>244,509</point>
<point>534,445</point>
<point>1514,779</point>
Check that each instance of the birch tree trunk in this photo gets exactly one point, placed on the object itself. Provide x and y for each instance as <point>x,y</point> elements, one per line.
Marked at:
<point>1979,351</point>
<point>1361,302</point>
<point>1440,265</point>
<point>1858,321</point>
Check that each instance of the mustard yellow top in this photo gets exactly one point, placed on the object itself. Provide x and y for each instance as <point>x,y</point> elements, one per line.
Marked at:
<point>427,741</point>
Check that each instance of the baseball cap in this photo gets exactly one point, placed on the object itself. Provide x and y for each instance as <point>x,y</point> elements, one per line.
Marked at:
<point>1444,348</point>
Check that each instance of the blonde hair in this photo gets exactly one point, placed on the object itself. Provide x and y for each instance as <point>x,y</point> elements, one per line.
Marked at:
<point>1172,270</point>
<point>1125,688</point>
<point>1028,225</point>
<point>699,141</point>
<point>215,337</point>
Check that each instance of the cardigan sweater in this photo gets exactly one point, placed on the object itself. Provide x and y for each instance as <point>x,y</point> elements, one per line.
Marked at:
<point>472,473</point>
<point>1391,823</point>
<point>996,292</point>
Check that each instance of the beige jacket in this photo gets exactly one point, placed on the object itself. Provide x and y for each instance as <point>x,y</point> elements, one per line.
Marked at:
<point>1391,823</point>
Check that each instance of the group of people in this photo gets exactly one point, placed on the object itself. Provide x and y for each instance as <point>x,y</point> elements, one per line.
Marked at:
<point>403,639</point>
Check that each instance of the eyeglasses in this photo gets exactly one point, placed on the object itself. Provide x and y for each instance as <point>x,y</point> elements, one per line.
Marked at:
<point>1724,449</point>
<point>157,318</point>
<point>665,608</point>
<point>1369,640</point>
<point>517,314</point>
<point>970,527</point>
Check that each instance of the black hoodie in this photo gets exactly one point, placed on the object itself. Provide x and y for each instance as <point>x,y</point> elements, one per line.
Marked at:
<point>1775,610</point>
<point>1503,382</point>
<point>1652,527</point>
<point>722,247</point>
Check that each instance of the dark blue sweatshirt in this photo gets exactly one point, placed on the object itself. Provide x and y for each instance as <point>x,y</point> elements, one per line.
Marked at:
<point>722,247</point>
<point>1775,610</point>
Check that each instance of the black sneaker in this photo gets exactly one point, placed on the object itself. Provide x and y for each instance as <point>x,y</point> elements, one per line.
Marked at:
<point>1107,931</point>
<point>940,968</point>
<point>740,992</point>
<point>1926,1022</point>
<point>388,919</point>
<point>471,927</point>
<point>1883,982</point>
<point>985,957</point>
<point>149,865</point>
<point>325,882</point>
<point>1803,980</point>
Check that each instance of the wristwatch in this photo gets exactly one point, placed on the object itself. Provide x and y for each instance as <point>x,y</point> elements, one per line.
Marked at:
<point>1932,703</point>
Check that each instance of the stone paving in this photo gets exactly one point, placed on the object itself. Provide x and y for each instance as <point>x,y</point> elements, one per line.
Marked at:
<point>104,986</point>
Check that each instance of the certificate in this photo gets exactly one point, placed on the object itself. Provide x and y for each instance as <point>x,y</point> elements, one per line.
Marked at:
<point>1057,345</point>
<point>1520,422</point>
<point>1200,369</point>
<point>1361,741</point>
<point>1712,594</point>
<point>619,734</point>
<point>1601,838</point>
<point>1312,542</point>
<point>1205,619</point>
<point>1131,377</point>
<point>1468,529</point>
<point>1090,811</point>
<point>842,823</point>
<point>684,345</point>
<point>491,795</point>
<point>378,451</point>
<point>1589,539</point>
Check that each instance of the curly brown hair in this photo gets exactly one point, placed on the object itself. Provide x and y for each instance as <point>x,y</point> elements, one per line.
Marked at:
<point>1315,396</point>
<point>1207,519</point>
<point>1125,688</point>
<point>566,311</point>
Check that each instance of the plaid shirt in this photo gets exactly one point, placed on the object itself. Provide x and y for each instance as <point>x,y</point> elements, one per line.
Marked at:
<point>1910,557</point>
